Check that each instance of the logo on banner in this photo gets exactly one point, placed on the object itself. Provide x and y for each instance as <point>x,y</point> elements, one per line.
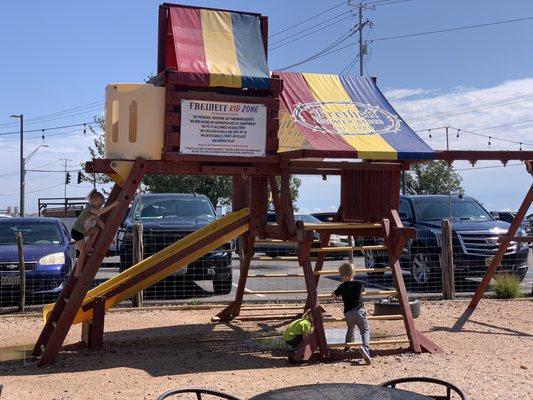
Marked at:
<point>346,118</point>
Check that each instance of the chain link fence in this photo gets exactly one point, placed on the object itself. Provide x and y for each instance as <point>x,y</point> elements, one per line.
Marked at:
<point>274,275</point>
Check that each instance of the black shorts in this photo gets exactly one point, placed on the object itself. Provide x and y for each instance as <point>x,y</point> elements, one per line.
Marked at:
<point>77,236</point>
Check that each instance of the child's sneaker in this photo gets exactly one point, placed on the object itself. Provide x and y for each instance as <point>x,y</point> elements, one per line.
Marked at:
<point>366,355</point>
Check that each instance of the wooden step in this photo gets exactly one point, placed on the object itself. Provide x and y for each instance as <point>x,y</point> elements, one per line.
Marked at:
<point>273,308</point>
<point>366,293</point>
<point>262,317</point>
<point>379,342</point>
<point>369,317</point>
<point>320,296</point>
<point>357,271</point>
<point>273,275</point>
<point>331,226</point>
<point>347,248</point>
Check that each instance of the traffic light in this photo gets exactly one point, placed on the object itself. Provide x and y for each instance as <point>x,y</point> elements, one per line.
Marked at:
<point>67,178</point>
<point>80,177</point>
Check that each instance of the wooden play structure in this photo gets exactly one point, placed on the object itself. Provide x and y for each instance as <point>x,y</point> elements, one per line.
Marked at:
<point>214,109</point>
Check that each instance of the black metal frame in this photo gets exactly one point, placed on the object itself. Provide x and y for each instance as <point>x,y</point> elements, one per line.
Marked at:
<point>198,392</point>
<point>450,387</point>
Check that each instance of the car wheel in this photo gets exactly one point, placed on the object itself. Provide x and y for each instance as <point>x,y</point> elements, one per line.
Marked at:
<point>370,262</point>
<point>422,268</point>
<point>521,274</point>
<point>223,284</point>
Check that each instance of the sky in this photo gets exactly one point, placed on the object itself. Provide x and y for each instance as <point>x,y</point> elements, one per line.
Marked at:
<point>58,56</point>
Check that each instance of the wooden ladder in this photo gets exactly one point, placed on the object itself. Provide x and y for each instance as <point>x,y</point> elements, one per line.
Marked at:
<point>62,316</point>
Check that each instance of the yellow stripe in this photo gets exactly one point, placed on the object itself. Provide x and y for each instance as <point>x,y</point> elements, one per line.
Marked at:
<point>329,88</point>
<point>219,47</point>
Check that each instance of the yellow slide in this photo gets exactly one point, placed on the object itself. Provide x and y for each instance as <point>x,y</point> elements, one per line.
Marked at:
<point>221,230</point>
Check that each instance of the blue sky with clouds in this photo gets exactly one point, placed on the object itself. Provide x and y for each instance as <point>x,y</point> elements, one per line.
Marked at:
<point>59,55</point>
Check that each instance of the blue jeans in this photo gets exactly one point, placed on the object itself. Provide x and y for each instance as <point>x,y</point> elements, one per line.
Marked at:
<point>357,317</point>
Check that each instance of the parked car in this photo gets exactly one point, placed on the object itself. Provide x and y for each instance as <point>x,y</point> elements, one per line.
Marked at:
<point>167,218</point>
<point>49,255</point>
<point>475,239</point>
<point>508,216</point>
<point>529,224</point>
<point>328,216</point>
<point>275,248</point>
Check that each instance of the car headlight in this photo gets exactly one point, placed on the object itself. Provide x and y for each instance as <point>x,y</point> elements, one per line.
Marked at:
<point>52,259</point>
<point>520,232</point>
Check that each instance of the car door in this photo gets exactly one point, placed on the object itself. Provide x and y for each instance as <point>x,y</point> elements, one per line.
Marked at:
<point>406,215</point>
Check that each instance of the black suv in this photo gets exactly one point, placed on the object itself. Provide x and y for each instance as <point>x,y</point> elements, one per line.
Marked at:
<point>167,218</point>
<point>475,239</point>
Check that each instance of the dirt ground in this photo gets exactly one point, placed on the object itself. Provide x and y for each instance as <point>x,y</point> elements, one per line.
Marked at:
<point>147,352</point>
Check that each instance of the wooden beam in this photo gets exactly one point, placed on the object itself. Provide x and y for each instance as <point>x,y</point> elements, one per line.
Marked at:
<point>380,342</point>
<point>504,244</point>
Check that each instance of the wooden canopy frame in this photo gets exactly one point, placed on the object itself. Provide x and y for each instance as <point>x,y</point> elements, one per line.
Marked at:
<point>371,212</point>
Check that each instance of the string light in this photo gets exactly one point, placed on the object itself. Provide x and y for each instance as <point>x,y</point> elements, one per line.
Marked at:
<point>84,129</point>
<point>429,132</point>
<point>458,130</point>
<point>489,140</point>
<point>520,149</point>
<point>42,135</point>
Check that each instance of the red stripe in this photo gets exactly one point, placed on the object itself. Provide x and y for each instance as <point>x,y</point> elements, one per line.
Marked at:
<point>295,91</point>
<point>185,46</point>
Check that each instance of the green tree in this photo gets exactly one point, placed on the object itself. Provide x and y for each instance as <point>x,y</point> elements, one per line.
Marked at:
<point>432,178</point>
<point>96,151</point>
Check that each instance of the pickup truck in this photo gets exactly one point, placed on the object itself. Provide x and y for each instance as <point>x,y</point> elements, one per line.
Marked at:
<point>475,235</point>
<point>167,218</point>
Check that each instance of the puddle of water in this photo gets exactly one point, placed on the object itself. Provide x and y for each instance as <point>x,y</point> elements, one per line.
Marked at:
<point>17,353</point>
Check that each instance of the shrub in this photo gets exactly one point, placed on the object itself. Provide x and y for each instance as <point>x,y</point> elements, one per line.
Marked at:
<point>506,286</point>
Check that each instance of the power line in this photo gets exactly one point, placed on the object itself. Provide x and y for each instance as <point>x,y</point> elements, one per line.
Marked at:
<point>478,107</point>
<point>458,28</point>
<point>308,19</point>
<point>469,132</point>
<point>489,166</point>
<point>33,191</point>
<point>307,34</point>
<point>62,112</point>
<point>321,53</point>
<point>49,129</point>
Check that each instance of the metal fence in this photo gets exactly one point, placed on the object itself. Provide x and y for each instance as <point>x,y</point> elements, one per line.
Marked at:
<point>274,276</point>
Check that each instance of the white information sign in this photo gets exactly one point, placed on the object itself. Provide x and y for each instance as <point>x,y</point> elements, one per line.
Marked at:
<point>223,129</point>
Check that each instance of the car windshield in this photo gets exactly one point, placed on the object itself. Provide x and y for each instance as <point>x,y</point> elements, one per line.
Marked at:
<point>32,233</point>
<point>174,208</point>
<point>307,218</point>
<point>462,209</point>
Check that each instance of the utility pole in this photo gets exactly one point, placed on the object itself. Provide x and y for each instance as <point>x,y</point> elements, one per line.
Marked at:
<point>360,26</point>
<point>449,177</point>
<point>22,172</point>
<point>66,160</point>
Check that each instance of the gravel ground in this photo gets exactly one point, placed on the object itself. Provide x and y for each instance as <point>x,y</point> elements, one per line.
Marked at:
<point>147,352</point>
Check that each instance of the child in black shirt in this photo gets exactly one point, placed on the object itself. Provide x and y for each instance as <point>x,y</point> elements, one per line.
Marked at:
<point>354,310</point>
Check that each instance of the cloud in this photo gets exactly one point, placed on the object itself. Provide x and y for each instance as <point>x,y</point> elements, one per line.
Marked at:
<point>481,110</point>
<point>401,94</point>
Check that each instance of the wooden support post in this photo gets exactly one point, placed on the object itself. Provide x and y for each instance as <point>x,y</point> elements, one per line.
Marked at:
<point>318,337</point>
<point>22,272</point>
<point>446,261</point>
<point>504,244</point>
<point>138,256</point>
<point>246,249</point>
<point>395,239</point>
<point>92,332</point>
<point>403,298</point>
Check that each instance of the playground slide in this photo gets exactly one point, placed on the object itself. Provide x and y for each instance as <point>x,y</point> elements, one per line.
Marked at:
<point>221,231</point>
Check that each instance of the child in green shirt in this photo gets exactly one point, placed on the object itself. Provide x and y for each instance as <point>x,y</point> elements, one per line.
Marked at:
<point>296,330</point>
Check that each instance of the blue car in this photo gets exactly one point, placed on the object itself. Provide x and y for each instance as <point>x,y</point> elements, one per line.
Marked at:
<point>49,255</point>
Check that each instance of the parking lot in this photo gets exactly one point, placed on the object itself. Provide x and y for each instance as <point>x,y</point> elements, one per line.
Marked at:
<point>202,291</point>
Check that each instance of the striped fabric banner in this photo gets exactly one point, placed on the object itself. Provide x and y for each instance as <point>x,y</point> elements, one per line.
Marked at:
<point>216,48</point>
<point>344,116</point>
